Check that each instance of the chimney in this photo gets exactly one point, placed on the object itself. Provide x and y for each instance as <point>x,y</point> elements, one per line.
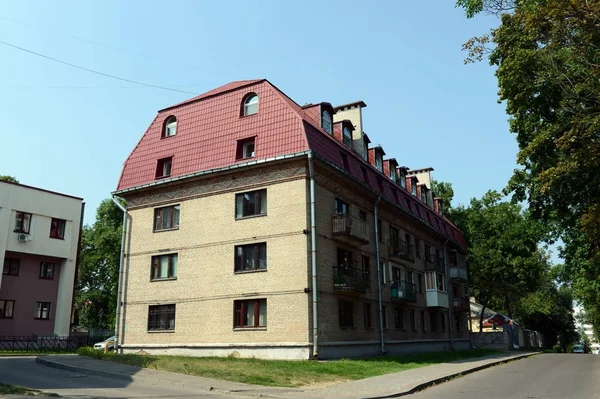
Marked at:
<point>419,192</point>
<point>408,185</point>
<point>353,112</point>
<point>437,205</point>
<point>337,131</point>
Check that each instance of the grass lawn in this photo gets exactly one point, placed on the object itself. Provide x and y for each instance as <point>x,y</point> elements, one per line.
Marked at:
<point>285,373</point>
<point>17,390</point>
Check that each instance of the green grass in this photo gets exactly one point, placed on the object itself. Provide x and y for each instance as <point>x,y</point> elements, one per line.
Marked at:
<point>17,390</point>
<point>285,373</point>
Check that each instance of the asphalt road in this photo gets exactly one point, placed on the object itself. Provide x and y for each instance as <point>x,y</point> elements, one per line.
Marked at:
<point>546,376</point>
<point>25,372</point>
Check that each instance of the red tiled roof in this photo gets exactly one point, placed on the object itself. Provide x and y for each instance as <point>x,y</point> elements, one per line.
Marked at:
<point>209,126</point>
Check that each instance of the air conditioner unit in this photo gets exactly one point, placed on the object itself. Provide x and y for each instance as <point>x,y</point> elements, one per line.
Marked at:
<point>22,237</point>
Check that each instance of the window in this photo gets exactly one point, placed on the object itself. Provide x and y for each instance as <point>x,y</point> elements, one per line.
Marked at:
<point>250,105</point>
<point>379,162</point>
<point>413,320</point>
<point>344,257</point>
<point>57,228</point>
<point>380,229</point>
<point>345,163</point>
<point>252,203</point>
<point>346,313</point>
<point>393,174</point>
<point>341,207</point>
<point>326,121</point>
<point>384,317</point>
<point>417,247</point>
<point>161,317</point>
<point>413,187</point>
<point>47,270</point>
<point>380,183</point>
<point>11,266</point>
<point>166,218</point>
<point>170,127</point>
<point>362,215</point>
<point>367,315</point>
<point>163,267</point>
<point>245,148</point>
<point>250,314</point>
<point>251,257</point>
<point>420,276</point>
<point>347,137</point>
<point>383,273</point>
<point>163,167</point>
<point>22,222</point>
<point>433,320</point>
<point>452,258</point>
<point>6,309</point>
<point>399,318</point>
<point>365,264</point>
<point>402,180</point>
<point>441,282</point>
<point>394,237</point>
<point>457,323</point>
<point>423,324</point>
<point>364,174</point>
<point>443,321</point>
<point>42,310</point>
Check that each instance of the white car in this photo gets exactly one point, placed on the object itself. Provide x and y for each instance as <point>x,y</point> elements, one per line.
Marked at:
<point>578,349</point>
<point>102,345</point>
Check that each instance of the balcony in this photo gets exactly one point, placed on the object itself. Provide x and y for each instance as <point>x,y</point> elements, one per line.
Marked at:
<point>352,279</point>
<point>436,299</point>
<point>349,230</point>
<point>404,291</point>
<point>461,305</point>
<point>400,249</point>
<point>457,273</point>
<point>434,263</point>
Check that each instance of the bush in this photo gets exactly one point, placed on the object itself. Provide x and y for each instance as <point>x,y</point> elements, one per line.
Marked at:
<point>91,352</point>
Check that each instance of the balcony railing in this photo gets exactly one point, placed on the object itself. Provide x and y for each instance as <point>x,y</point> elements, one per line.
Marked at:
<point>461,304</point>
<point>434,263</point>
<point>349,230</point>
<point>400,249</point>
<point>404,291</point>
<point>458,273</point>
<point>349,278</point>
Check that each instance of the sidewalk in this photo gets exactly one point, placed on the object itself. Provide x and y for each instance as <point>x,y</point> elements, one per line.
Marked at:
<point>383,386</point>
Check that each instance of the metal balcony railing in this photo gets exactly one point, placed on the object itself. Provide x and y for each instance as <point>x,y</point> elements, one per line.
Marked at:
<point>404,290</point>
<point>400,249</point>
<point>434,263</point>
<point>350,278</point>
<point>461,304</point>
<point>349,229</point>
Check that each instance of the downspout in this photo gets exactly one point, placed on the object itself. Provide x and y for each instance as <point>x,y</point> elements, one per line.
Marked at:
<point>379,272</point>
<point>121,262</point>
<point>313,246</point>
<point>450,303</point>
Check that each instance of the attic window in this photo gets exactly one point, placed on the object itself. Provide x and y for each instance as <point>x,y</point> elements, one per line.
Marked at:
<point>250,105</point>
<point>245,148</point>
<point>347,137</point>
<point>163,167</point>
<point>345,161</point>
<point>402,180</point>
<point>378,162</point>
<point>393,174</point>
<point>170,127</point>
<point>413,186</point>
<point>326,121</point>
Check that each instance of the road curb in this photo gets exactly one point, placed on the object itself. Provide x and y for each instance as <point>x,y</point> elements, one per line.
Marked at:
<point>153,381</point>
<point>446,378</point>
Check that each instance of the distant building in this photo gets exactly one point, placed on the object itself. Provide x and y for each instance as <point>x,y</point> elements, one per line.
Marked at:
<point>39,237</point>
<point>259,227</point>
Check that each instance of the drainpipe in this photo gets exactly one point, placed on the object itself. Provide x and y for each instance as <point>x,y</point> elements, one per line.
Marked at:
<point>450,303</point>
<point>121,262</point>
<point>313,245</point>
<point>379,272</point>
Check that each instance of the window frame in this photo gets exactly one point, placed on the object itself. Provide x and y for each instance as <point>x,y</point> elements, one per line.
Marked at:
<point>347,136</point>
<point>258,203</point>
<point>248,103</point>
<point>47,270</point>
<point>157,309</point>
<point>346,314</point>
<point>176,210</point>
<point>242,149</point>
<point>257,249</point>
<point>163,164</point>
<point>167,126</point>
<point>240,316</point>
<point>399,319</point>
<point>155,265</point>
<point>379,161</point>
<point>59,230</point>
<point>329,126</point>
<point>25,217</point>
<point>341,207</point>
<point>40,309</point>
<point>8,267</point>
<point>4,308</point>
<point>367,316</point>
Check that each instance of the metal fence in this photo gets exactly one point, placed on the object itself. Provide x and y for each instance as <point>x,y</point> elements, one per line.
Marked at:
<point>46,344</point>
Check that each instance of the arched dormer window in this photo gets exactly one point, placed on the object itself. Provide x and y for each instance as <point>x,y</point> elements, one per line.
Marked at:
<point>326,121</point>
<point>170,127</point>
<point>250,105</point>
<point>347,136</point>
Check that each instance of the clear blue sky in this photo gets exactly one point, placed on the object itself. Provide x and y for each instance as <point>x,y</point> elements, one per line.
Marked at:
<point>68,130</point>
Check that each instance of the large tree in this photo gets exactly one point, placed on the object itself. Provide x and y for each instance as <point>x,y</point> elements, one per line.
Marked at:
<point>547,54</point>
<point>8,178</point>
<point>99,268</point>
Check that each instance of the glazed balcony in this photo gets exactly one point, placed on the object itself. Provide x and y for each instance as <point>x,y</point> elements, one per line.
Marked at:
<point>400,249</point>
<point>436,299</point>
<point>404,291</point>
<point>458,274</point>
<point>434,263</point>
<point>461,305</point>
<point>351,279</point>
<point>349,230</point>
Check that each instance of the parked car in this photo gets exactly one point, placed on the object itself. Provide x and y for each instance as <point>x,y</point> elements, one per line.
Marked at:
<point>578,349</point>
<point>101,345</point>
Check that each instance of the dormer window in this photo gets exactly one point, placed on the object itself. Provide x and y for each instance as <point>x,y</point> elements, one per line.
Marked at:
<point>170,127</point>
<point>393,174</point>
<point>326,123</point>
<point>379,162</point>
<point>250,106</point>
<point>163,167</point>
<point>402,180</point>
<point>347,137</point>
<point>413,186</point>
<point>245,148</point>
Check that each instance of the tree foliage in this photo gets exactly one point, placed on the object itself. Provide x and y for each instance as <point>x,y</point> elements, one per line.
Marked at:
<point>8,178</point>
<point>99,268</point>
<point>444,191</point>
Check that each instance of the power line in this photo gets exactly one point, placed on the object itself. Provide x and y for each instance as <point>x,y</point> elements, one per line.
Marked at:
<point>93,71</point>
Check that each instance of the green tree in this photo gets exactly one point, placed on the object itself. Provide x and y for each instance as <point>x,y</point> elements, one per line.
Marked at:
<point>99,268</point>
<point>444,191</point>
<point>8,178</point>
